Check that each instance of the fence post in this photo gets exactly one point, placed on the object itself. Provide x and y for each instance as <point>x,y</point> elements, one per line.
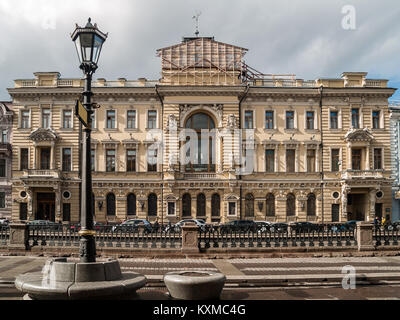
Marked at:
<point>364,236</point>
<point>18,236</point>
<point>190,238</point>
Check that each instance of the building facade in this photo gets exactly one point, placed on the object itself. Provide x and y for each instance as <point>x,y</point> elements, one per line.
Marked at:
<point>6,116</point>
<point>394,147</point>
<point>212,139</point>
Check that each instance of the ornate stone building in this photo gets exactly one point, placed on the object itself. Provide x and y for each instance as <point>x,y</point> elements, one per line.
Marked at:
<point>212,139</point>
<point>6,116</point>
<point>395,147</point>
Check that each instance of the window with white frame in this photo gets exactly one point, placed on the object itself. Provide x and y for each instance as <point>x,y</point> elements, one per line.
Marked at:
<point>334,119</point>
<point>171,208</point>
<point>311,160</point>
<point>232,208</point>
<point>290,160</point>
<point>355,118</point>
<point>46,116</point>
<point>248,119</point>
<point>67,119</point>
<point>66,159</point>
<point>378,159</point>
<point>24,159</point>
<point>110,119</point>
<point>310,120</point>
<point>290,120</point>
<point>131,160</point>
<point>131,119</point>
<point>151,119</point>
<point>269,120</point>
<point>335,159</point>
<point>377,119</point>
<point>25,119</point>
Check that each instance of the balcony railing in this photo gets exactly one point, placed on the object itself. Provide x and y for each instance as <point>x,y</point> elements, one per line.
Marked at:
<point>5,147</point>
<point>42,173</point>
<point>362,174</point>
<point>199,176</point>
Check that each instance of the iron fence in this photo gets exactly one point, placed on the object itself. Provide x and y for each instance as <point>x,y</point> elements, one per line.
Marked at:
<point>385,237</point>
<point>4,234</point>
<point>276,239</point>
<point>106,237</point>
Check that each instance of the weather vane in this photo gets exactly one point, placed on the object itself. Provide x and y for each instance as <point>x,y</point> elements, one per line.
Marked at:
<point>196,17</point>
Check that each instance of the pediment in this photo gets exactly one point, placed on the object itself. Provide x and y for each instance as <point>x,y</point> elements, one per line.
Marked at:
<point>359,135</point>
<point>42,134</point>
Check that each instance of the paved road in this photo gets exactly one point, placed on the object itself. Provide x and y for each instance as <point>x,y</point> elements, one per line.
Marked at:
<point>10,267</point>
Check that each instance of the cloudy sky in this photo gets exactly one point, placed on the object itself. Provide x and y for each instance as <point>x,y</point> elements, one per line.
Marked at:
<point>310,38</point>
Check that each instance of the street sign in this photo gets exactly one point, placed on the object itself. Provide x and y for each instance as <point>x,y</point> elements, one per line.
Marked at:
<point>82,113</point>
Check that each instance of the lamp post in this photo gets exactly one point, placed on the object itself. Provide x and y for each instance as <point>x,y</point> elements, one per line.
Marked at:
<point>88,41</point>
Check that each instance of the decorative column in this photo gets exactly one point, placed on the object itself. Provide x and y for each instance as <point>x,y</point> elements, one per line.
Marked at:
<point>367,164</point>
<point>372,200</point>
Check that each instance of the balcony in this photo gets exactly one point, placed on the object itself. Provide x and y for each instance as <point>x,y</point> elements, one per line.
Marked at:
<point>362,174</point>
<point>200,176</point>
<point>5,148</point>
<point>40,173</point>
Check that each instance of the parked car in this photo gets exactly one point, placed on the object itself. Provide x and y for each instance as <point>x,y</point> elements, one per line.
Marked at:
<point>75,227</point>
<point>263,226</point>
<point>178,226</point>
<point>133,225</point>
<point>349,225</point>
<point>239,225</point>
<point>279,227</point>
<point>4,222</point>
<point>306,227</point>
<point>45,225</point>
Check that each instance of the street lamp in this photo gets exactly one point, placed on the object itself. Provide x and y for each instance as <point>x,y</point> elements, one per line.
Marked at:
<point>88,41</point>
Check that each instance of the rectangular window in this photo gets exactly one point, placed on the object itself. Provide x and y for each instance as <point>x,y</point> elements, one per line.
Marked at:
<point>93,159</point>
<point>356,159</point>
<point>2,168</point>
<point>335,160</point>
<point>67,119</point>
<point>2,200</point>
<point>375,119</point>
<point>45,158</point>
<point>311,160</point>
<point>24,160</point>
<point>335,212</point>
<point>66,159</point>
<point>131,160</point>
<point>248,119</point>
<point>377,159</point>
<point>110,160</point>
<point>270,160</point>
<point>25,120</point>
<point>310,120</point>
<point>334,120</point>
<point>355,118</point>
<point>110,119</point>
<point>45,118</point>
<point>66,212</point>
<point>290,160</point>
<point>171,208</point>
<point>231,208</point>
<point>151,119</point>
<point>152,160</point>
<point>289,119</point>
<point>131,119</point>
<point>269,120</point>
<point>23,211</point>
<point>4,136</point>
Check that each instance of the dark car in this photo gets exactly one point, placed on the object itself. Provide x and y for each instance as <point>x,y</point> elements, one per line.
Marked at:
<point>133,225</point>
<point>395,225</point>
<point>263,226</point>
<point>305,227</point>
<point>44,225</point>
<point>349,225</point>
<point>239,225</point>
<point>279,227</point>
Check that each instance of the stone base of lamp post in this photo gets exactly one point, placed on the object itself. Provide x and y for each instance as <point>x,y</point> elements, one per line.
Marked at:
<point>63,280</point>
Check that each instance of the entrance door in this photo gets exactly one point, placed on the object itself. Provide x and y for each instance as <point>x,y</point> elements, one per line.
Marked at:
<point>45,206</point>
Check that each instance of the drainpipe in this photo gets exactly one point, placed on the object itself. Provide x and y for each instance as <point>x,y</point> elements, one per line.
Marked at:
<point>240,144</point>
<point>162,166</point>
<point>321,88</point>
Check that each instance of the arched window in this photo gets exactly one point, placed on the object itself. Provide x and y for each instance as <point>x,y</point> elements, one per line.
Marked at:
<point>249,205</point>
<point>270,205</point>
<point>201,205</point>
<point>311,205</point>
<point>202,150</point>
<point>131,205</point>
<point>186,205</point>
<point>290,205</point>
<point>152,205</point>
<point>110,204</point>
<point>215,205</point>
